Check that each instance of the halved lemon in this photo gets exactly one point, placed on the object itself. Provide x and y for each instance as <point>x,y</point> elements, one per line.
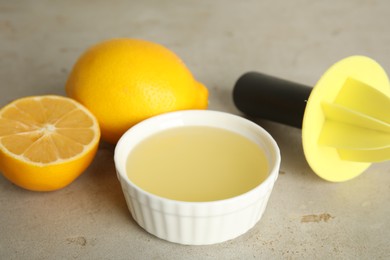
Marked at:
<point>46,142</point>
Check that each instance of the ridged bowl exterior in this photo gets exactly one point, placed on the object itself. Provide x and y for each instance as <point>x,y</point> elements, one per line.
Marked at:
<point>194,223</point>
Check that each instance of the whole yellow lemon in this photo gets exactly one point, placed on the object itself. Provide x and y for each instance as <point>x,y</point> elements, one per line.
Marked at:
<point>124,81</point>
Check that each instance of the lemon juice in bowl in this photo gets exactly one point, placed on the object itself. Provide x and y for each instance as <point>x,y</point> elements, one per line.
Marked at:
<point>197,177</point>
<point>197,163</point>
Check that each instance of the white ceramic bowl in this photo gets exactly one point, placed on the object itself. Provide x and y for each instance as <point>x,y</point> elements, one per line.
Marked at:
<point>196,223</point>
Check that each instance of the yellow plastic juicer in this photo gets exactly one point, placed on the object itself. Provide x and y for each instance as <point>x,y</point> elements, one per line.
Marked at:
<point>345,117</point>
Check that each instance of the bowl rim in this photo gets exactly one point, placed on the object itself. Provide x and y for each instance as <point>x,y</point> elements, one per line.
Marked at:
<point>163,118</point>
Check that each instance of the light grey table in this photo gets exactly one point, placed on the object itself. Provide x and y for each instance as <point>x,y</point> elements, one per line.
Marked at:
<point>219,41</point>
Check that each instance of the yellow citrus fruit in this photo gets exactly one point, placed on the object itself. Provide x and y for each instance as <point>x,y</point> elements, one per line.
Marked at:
<point>46,141</point>
<point>124,81</point>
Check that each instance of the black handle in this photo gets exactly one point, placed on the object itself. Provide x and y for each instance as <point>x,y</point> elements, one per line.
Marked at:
<point>263,96</point>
